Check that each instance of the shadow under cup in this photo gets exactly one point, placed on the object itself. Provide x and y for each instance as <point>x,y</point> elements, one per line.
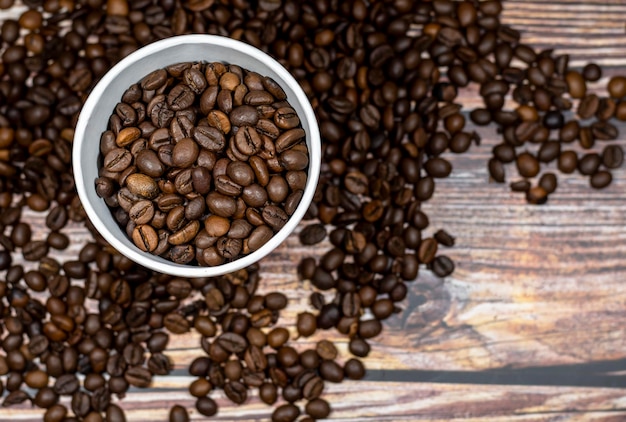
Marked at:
<point>94,118</point>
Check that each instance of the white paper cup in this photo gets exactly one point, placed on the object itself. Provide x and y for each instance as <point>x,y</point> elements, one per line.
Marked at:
<point>107,93</point>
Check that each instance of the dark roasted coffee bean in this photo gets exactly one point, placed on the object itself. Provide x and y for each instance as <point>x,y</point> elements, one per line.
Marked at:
<point>604,131</point>
<point>312,234</point>
<point>601,179</point>
<point>504,153</point>
<point>536,195</point>
<point>354,369</point>
<point>527,165</point>
<point>568,161</point>
<point>612,156</point>
<point>138,376</point>
<point>496,170</point>
<point>589,163</point>
<point>206,406</point>
<point>549,151</point>
<point>268,393</point>
<point>520,186</point>
<point>306,324</point>
<point>438,167</point>
<point>617,87</point>
<point>236,392</point>
<point>548,182</point>
<point>359,347</point>
<point>178,414</point>
<point>592,72</point>
<point>442,266</point>
<point>66,384</point>
<point>588,106</point>
<point>286,413</point>
<point>317,408</point>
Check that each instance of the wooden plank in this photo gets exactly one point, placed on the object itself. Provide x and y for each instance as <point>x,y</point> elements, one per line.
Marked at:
<point>393,401</point>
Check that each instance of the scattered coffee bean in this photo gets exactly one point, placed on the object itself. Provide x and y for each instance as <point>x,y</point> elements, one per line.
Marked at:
<point>196,129</point>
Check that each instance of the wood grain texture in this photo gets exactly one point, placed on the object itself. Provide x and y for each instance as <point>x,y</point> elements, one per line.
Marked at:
<point>530,327</point>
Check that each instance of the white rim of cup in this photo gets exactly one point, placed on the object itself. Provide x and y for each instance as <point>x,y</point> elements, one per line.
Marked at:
<point>154,262</point>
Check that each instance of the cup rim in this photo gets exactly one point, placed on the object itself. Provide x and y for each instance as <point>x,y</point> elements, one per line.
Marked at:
<point>157,263</point>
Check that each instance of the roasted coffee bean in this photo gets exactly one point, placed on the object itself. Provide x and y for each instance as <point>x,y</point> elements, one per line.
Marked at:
<point>527,165</point>
<point>206,406</point>
<point>306,324</point>
<point>178,414</point>
<point>285,413</point>
<point>236,392</point>
<point>592,72</point>
<point>603,131</point>
<point>589,163</point>
<point>612,156</point>
<point>588,106</point>
<point>138,376</point>
<point>145,237</point>
<point>617,87</point>
<point>259,237</point>
<point>66,384</point>
<point>496,170</point>
<point>268,393</point>
<point>601,179</point>
<point>568,162</point>
<point>312,234</point>
<point>354,369</point>
<point>442,266</point>
<point>548,182</point>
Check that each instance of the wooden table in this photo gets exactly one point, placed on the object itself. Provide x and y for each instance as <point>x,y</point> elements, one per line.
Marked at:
<point>532,324</point>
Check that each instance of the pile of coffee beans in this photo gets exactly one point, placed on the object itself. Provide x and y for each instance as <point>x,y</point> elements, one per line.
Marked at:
<point>538,131</point>
<point>203,162</point>
<point>383,78</point>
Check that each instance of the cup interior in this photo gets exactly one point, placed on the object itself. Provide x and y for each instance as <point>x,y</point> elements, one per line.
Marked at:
<point>94,117</point>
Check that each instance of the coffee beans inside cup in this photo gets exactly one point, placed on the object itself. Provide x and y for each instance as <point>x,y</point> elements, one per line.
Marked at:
<point>203,163</point>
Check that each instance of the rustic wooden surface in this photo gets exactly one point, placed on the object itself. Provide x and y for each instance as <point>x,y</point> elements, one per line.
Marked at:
<point>532,324</point>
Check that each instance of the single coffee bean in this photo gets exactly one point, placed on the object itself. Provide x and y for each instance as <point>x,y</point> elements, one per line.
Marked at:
<point>145,238</point>
<point>603,131</point>
<point>548,182</point>
<point>617,87</point>
<point>496,170</point>
<point>317,408</point>
<point>568,162</point>
<point>592,72</point>
<point>306,324</point>
<point>438,167</point>
<point>268,393</point>
<point>569,131</point>
<point>588,106</point>
<point>442,266</point>
<point>236,392</point>
<point>178,414</point>
<point>138,376</point>
<point>354,369</point>
<point>612,156</point>
<point>589,163</point>
<point>527,165</point>
<point>312,234</point>
<point>576,84</point>
<point>206,406</point>
<point>601,179</point>
<point>286,413</point>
